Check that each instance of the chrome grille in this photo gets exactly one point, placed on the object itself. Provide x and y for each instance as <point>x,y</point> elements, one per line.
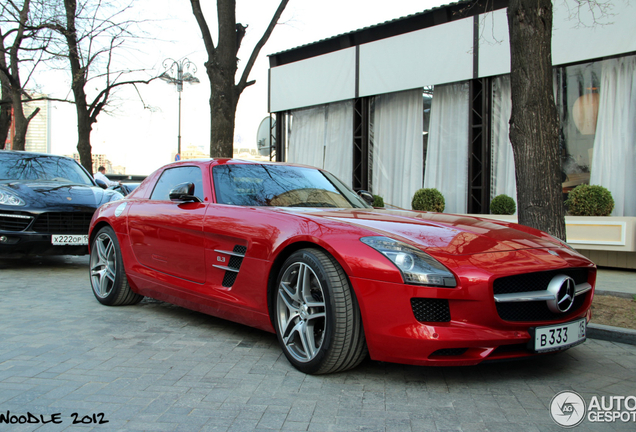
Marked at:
<point>14,222</point>
<point>536,311</point>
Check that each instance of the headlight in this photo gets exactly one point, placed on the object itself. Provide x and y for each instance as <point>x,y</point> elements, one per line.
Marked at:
<point>416,266</point>
<point>9,198</point>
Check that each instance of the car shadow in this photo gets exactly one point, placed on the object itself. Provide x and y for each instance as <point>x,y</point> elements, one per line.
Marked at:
<point>43,262</point>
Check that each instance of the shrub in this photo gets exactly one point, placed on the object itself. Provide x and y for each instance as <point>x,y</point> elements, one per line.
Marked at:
<point>428,200</point>
<point>503,205</point>
<point>586,200</point>
<point>378,201</point>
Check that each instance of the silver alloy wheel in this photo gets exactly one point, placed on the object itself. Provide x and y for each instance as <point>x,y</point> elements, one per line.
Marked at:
<point>103,265</point>
<point>301,312</point>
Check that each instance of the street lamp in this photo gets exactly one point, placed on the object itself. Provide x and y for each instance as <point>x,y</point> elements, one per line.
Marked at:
<point>178,72</point>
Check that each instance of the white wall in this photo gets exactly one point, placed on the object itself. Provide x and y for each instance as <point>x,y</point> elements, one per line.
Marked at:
<point>434,55</point>
<point>577,35</point>
<point>443,54</point>
<point>318,80</point>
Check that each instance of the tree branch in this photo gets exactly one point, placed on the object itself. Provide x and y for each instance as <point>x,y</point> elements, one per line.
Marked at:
<point>257,49</point>
<point>102,98</point>
<point>203,25</point>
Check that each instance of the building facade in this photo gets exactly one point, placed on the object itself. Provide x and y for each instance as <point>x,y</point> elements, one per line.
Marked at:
<point>38,137</point>
<point>424,101</point>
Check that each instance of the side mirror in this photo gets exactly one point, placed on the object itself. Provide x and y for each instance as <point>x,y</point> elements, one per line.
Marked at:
<point>102,184</point>
<point>366,196</point>
<point>184,192</point>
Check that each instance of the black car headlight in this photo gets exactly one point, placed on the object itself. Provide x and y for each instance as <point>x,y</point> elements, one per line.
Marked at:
<point>9,198</point>
<point>416,267</point>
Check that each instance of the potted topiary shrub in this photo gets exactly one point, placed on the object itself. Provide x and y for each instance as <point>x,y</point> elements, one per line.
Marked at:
<point>378,201</point>
<point>503,205</point>
<point>590,200</point>
<point>428,199</point>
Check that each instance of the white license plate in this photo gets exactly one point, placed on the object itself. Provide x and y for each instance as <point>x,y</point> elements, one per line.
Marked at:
<point>552,338</point>
<point>67,239</point>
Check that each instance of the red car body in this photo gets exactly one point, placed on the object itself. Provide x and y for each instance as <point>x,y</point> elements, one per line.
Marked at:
<point>173,252</point>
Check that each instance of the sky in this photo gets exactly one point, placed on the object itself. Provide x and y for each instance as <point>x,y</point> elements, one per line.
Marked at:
<point>142,136</point>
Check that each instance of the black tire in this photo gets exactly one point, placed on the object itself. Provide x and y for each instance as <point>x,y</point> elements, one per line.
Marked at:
<point>316,314</point>
<point>107,273</point>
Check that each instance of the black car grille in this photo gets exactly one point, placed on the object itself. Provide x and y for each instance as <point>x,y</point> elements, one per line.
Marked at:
<point>535,281</point>
<point>449,352</point>
<point>63,223</point>
<point>430,310</point>
<point>14,221</point>
<point>535,311</point>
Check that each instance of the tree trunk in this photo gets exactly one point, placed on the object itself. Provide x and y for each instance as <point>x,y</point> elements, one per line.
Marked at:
<point>19,120</point>
<point>5,106</point>
<point>5,121</point>
<point>84,129</point>
<point>222,111</point>
<point>84,119</point>
<point>534,125</point>
<point>221,68</point>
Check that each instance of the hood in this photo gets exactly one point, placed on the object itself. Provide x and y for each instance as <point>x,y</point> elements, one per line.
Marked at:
<point>436,232</point>
<point>52,194</point>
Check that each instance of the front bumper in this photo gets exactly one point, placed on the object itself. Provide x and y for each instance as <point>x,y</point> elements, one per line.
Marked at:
<point>467,328</point>
<point>21,244</point>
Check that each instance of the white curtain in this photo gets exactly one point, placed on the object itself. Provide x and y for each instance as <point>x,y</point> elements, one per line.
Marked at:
<point>614,158</point>
<point>447,155</point>
<point>322,136</point>
<point>397,146</point>
<point>307,136</point>
<point>503,163</point>
<point>339,141</point>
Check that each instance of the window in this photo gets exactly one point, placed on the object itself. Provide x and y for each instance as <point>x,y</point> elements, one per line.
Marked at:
<point>281,186</point>
<point>578,100</point>
<point>175,176</point>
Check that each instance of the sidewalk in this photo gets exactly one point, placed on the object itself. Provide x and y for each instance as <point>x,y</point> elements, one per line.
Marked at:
<point>619,283</point>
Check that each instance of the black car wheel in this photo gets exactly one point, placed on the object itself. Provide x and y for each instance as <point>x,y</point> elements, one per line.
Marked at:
<point>317,316</point>
<point>108,277</point>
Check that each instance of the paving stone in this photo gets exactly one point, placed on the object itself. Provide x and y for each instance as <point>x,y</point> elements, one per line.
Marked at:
<point>155,366</point>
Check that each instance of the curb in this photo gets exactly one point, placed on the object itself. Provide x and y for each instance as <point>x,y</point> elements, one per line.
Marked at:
<point>612,334</point>
<point>614,293</point>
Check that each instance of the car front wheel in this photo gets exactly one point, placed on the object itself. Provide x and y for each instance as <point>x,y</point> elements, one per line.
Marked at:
<point>108,277</point>
<point>317,316</point>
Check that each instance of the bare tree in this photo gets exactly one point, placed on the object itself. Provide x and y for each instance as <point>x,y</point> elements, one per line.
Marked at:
<point>91,36</point>
<point>23,42</point>
<point>221,67</point>
<point>5,96</point>
<point>534,124</point>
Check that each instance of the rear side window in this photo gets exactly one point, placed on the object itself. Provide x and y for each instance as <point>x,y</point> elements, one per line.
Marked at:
<point>175,176</point>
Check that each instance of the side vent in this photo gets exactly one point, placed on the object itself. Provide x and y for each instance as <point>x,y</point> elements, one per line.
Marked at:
<point>234,264</point>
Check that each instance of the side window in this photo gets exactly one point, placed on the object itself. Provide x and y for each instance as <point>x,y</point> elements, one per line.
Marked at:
<point>174,176</point>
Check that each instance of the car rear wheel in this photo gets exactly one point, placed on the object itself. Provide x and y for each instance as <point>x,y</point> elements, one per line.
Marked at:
<point>317,316</point>
<point>108,277</point>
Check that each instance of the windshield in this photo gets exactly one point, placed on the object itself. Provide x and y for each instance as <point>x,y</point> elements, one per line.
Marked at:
<point>281,186</point>
<point>42,167</point>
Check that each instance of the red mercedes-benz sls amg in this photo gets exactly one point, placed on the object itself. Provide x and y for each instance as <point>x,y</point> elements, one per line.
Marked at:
<point>292,250</point>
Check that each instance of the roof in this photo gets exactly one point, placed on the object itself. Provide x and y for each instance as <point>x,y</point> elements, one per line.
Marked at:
<point>417,21</point>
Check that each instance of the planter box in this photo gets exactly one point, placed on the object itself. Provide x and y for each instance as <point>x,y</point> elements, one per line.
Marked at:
<point>609,241</point>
